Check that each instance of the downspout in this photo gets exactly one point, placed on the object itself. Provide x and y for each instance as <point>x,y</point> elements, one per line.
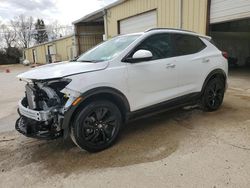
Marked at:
<point>180,13</point>
<point>208,16</point>
<point>77,41</point>
<point>44,48</point>
<point>105,24</point>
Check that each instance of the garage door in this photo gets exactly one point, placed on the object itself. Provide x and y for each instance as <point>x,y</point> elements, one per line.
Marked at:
<point>227,10</point>
<point>138,23</point>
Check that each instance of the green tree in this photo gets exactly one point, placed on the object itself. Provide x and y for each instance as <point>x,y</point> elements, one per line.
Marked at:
<point>10,55</point>
<point>40,34</point>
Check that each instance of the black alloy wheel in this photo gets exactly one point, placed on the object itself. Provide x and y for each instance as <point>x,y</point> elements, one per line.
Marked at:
<point>96,126</point>
<point>213,95</point>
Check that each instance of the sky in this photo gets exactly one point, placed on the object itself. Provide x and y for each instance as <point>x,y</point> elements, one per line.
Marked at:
<point>65,11</point>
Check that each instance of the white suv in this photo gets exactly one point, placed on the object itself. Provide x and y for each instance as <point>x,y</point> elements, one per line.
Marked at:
<point>119,80</point>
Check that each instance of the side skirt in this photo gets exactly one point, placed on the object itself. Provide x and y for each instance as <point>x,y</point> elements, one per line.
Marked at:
<point>190,99</point>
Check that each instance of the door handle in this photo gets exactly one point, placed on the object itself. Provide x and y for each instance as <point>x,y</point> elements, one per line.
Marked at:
<point>205,61</point>
<point>170,65</point>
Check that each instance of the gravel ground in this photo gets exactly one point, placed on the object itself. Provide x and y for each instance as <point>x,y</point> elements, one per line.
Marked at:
<point>183,148</point>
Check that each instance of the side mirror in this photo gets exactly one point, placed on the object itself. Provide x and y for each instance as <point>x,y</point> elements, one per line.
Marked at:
<point>140,55</point>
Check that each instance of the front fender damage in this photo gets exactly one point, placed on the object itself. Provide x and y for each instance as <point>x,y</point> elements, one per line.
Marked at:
<point>42,110</point>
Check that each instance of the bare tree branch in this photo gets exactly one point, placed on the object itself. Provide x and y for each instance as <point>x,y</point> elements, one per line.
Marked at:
<point>23,27</point>
<point>8,35</point>
<point>56,30</point>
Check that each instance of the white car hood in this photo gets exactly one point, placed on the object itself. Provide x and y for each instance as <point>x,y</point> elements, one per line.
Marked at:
<point>62,69</point>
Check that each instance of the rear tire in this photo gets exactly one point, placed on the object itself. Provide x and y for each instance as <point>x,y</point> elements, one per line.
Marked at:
<point>213,95</point>
<point>96,126</point>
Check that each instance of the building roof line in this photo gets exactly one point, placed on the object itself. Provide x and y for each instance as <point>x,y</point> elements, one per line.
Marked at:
<point>98,11</point>
<point>64,37</point>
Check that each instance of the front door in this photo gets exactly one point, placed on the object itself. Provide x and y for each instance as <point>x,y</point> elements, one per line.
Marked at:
<point>154,81</point>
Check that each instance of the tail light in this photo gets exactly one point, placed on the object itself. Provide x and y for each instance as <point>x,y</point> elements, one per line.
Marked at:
<point>225,54</point>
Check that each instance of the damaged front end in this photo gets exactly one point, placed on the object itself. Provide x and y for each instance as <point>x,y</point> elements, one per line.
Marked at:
<point>42,109</point>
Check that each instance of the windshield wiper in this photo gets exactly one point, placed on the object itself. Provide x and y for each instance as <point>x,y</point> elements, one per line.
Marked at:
<point>87,61</point>
<point>90,61</point>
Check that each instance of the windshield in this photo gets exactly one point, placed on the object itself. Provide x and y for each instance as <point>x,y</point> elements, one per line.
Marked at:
<point>108,50</point>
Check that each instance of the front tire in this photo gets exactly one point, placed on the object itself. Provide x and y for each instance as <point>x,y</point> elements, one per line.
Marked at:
<point>96,126</point>
<point>213,95</point>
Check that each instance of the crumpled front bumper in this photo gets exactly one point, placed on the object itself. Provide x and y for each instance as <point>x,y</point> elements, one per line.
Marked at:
<point>33,114</point>
<point>36,124</point>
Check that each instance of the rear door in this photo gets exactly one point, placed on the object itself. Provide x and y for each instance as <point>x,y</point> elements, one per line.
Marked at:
<point>193,61</point>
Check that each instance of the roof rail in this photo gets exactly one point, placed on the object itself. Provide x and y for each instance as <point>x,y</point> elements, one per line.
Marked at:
<point>161,28</point>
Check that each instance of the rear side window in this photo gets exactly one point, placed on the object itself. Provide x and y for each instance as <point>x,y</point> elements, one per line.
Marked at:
<point>186,44</point>
<point>159,45</point>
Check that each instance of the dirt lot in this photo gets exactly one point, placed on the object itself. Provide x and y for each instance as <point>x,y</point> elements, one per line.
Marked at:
<point>184,148</point>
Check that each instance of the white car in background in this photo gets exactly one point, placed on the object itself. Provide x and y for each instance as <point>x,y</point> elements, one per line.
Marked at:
<point>119,80</point>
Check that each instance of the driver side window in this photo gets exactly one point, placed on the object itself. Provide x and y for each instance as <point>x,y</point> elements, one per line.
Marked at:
<point>159,45</point>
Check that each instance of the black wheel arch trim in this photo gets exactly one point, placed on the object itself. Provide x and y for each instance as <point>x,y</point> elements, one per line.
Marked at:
<point>69,114</point>
<point>211,75</point>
